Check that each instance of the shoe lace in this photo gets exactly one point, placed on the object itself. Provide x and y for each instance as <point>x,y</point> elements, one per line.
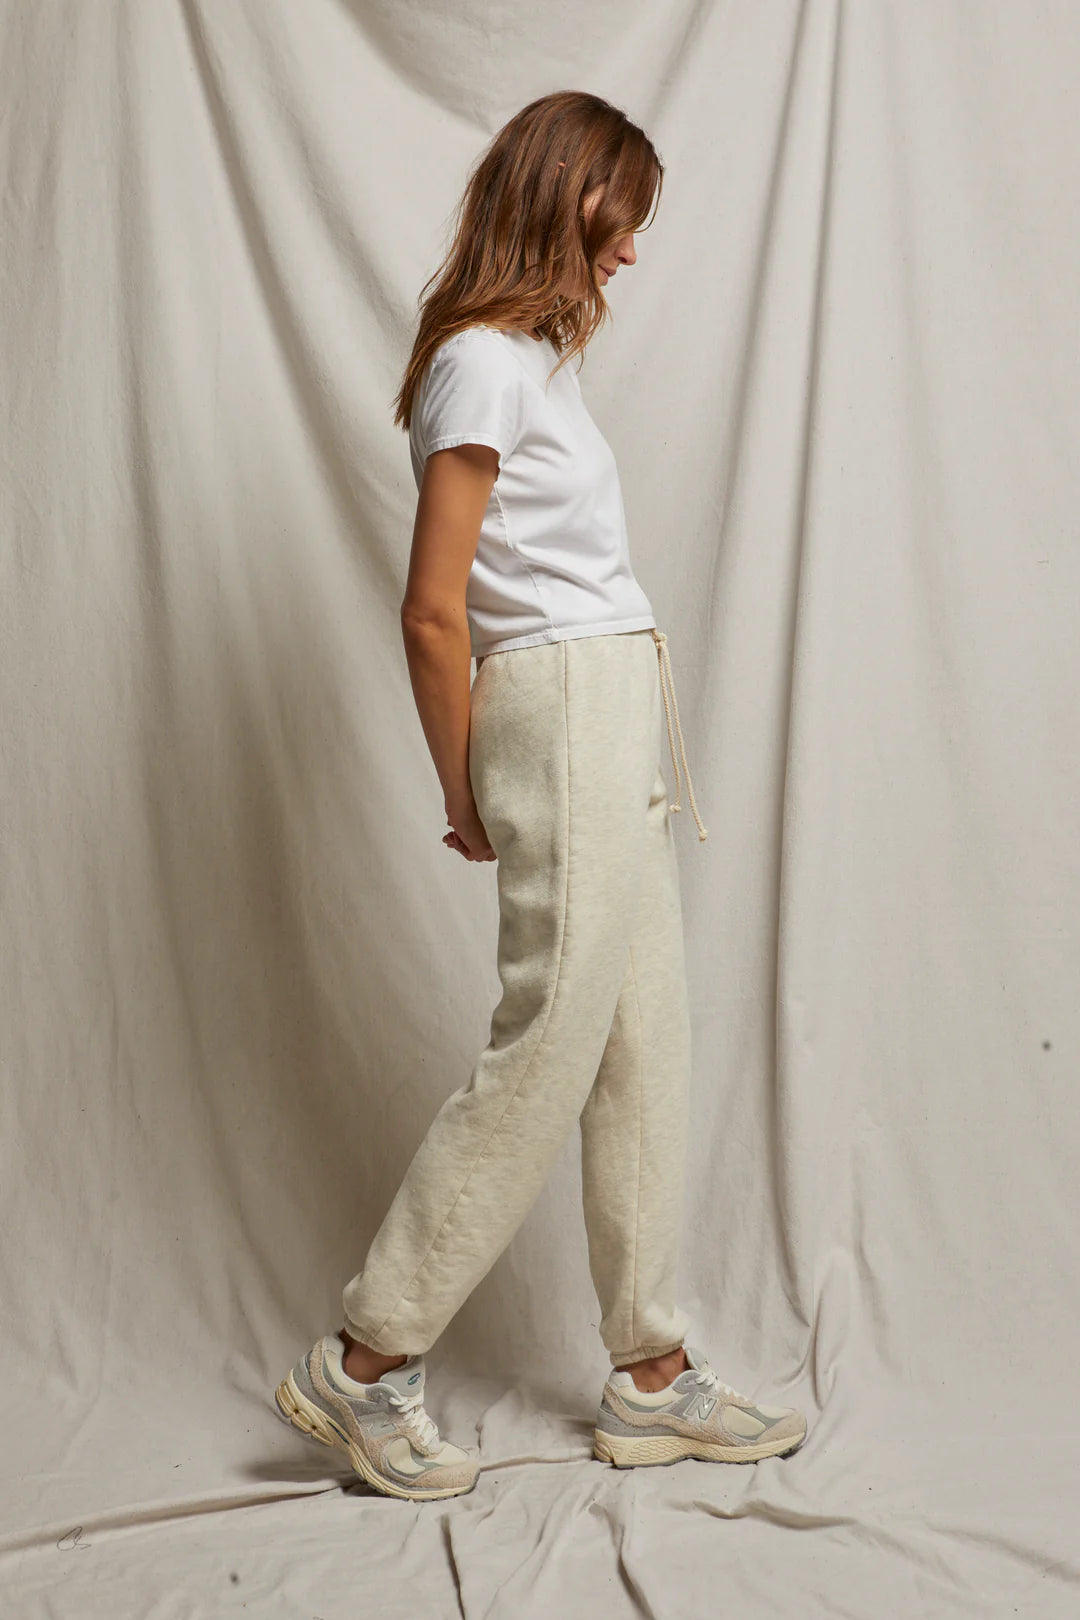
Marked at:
<point>705,1375</point>
<point>418,1424</point>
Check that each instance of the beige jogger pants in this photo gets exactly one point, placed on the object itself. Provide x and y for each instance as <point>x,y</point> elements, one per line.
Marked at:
<point>592,1026</point>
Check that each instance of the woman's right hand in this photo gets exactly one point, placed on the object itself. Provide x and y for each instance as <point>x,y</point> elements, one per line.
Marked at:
<point>467,834</point>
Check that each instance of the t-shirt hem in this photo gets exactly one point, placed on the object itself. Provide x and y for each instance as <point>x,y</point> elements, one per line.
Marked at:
<point>449,439</point>
<point>602,627</point>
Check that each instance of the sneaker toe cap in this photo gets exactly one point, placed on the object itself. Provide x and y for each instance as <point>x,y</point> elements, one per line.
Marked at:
<point>450,1456</point>
<point>789,1425</point>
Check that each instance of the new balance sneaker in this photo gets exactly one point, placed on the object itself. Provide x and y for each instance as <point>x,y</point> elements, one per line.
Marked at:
<point>390,1440</point>
<point>697,1415</point>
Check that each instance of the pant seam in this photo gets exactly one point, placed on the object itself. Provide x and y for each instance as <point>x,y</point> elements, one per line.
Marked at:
<point>547,1020</point>
<point>637,1196</point>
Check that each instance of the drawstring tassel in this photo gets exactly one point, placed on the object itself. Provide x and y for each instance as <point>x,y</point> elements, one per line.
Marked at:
<point>668,685</point>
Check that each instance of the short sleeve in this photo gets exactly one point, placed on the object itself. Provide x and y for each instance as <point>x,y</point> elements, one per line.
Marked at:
<point>473,393</point>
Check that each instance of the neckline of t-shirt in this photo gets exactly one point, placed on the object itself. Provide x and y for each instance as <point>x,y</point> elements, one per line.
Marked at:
<point>518,331</point>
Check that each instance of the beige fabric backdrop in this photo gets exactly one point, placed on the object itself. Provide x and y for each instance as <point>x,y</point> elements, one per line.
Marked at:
<point>240,969</point>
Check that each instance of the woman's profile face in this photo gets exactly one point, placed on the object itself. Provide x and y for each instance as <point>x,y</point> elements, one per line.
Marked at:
<point>614,253</point>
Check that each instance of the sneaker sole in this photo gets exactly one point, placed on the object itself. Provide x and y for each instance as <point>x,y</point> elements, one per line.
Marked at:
<point>625,1452</point>
<point>296,1409</point>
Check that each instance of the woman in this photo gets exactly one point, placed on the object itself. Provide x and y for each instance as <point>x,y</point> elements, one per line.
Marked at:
<point>549,765</point>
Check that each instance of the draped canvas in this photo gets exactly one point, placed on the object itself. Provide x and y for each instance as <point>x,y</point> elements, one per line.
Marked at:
<point>240,970</point>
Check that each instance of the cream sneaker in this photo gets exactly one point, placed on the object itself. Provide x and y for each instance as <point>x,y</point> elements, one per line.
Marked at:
<point>389,1439</point>
<point>697,1415</point>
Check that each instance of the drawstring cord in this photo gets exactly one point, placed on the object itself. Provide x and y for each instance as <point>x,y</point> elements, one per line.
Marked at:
<point>667,686</point>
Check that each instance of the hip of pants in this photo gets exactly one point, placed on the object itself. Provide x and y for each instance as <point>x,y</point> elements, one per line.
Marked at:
<point>592,1027</point>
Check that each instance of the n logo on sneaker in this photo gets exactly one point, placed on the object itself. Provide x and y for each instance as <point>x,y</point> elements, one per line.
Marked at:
<point>701,1406</point>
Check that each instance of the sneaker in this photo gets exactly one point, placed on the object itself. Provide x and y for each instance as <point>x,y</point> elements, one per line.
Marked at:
<point>697,1415</point>
<point>390,1440</point>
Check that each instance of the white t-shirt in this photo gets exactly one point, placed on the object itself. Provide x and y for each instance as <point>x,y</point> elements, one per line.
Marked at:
<point>553,559</point>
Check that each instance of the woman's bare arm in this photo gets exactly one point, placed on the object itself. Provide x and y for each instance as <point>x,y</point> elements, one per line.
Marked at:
<point>454,493</point>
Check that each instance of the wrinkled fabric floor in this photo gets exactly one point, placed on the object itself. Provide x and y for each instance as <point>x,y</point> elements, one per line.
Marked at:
<point>239,971</point>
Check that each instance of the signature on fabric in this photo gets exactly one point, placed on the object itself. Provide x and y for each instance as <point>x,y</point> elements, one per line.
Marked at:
<point>69,1541</point>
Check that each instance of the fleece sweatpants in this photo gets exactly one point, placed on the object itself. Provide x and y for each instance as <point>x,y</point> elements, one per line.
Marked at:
<point>592,1026</point>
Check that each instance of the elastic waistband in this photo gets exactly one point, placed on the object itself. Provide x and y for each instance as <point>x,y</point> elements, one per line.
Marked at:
<point>667,689</point>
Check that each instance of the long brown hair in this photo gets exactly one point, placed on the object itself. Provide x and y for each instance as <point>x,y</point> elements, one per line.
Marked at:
<point>523,253</point>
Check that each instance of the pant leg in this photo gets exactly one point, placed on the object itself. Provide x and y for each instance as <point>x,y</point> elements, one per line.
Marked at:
<point>563,752</point>
<point>634,1122</point>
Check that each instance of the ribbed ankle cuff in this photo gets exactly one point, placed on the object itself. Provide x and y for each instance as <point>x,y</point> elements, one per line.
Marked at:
<point>647,1352</point>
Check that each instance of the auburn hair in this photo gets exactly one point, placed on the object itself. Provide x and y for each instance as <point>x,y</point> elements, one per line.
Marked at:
<point>523,253</point>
